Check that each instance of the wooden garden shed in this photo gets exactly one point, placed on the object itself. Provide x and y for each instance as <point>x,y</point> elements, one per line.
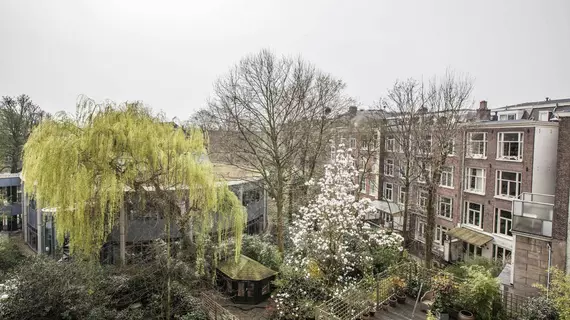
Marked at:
<point>246,281</point>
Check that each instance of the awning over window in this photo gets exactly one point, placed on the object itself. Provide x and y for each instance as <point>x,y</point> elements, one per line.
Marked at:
<point>387,207</point>
<point>470,236</point>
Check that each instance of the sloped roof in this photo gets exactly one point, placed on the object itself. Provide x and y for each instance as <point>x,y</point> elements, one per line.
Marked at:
<point>246,269</point>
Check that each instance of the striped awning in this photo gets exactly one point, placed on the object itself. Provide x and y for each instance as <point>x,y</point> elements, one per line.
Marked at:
<point>470,236</point>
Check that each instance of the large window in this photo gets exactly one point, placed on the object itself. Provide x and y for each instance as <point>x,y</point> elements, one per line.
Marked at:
<point>389,167</point>
<point>473,214</point>
<point>477,146</point>
<point>470,250</point>
<point>439,236</point>
<point>390,144</point>
<point>503,222</point>
<point>425,171</point>
<point>508,116</point>
<point>510,146</point>
<point>422,199</point>
<point>445,207</point>
<point>475,180</point>
<point>420,230</point>
<point>362,184</point>
<point>372,185</point>
<point>508,184</point>
<point>352,142</point>
<point>446,177</point>
<point>501,254</point>
<point>388,191</point>
<point>402,195</point>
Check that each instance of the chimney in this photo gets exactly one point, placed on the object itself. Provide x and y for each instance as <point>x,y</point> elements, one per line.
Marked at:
<point>483,114</point>
<point>352,110</point>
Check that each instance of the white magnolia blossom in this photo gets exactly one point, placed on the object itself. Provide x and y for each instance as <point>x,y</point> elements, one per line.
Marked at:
<point>330,239</point>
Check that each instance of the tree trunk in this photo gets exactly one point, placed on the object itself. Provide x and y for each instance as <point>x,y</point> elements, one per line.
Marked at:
<point>430,227</point>
<point>122,234</point>
<point>405,232</point>
<point>280,224</point>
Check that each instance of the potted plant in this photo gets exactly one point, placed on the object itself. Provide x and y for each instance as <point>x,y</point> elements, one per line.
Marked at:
<point>392,301</point>
<point>372,308</point>
<point>385,305</point>
<point>478,293</point>
<point>399,286</point>
<point>444,289</point>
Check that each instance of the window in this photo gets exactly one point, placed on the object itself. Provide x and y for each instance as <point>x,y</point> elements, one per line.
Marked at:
<point>473,214</point>
<point>402,195</point>
<point>439,236</point>
<point>362,184</point>
<point>372,185</point>
<point>475,180</point>
<point>509,116</point>
<point>501,254</point>
<point>390,143</point>
<point>422,199</point>
<point>503,222</point>
<point>403,170</point>
<point>333,153</point>
<point>362,164</point>
<point>477,146</point>
<point>471,250</point>
<point>450,147</point>
<point>446,177</point>
<point>510,146</point>
<point>265,289</point>
<point>425,172</point>
<point>250,288</point>
<point>508,184</point>
<point>241,289</point>
<point>544,115</point>
<point>420,230</point>
<point>352,143</point>
<point>389,167</point>
<point>425,146</point>
<point>388,191</point>
<point>444,206</point>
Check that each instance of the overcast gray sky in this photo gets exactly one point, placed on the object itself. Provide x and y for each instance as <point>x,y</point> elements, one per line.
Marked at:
<point>169,53</point>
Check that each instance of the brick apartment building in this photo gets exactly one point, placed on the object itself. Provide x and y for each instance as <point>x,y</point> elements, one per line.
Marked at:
<point>503,193</point>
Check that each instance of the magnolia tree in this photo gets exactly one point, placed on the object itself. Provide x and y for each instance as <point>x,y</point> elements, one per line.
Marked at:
<point>332,243</point>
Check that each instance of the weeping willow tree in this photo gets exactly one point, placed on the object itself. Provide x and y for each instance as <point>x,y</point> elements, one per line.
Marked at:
<point>83,165</point>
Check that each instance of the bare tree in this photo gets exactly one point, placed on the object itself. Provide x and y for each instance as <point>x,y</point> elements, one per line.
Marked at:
<point>401,107</point>
<point>18,116</point>
<point>274,114</point>
<point>444,106</point>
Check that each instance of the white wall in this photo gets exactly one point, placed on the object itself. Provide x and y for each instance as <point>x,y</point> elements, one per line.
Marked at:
<point>544,161</point>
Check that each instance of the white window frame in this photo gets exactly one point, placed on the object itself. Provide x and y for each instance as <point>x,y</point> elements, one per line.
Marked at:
<point>390,144</point>
<point>541,115</point>
<point>389,168</point>
<point>472,212</point>
<point>479,144</point>
<point>446,178</point>
<point>443,213</point>
<point>372,186</point>
<point>501,146</point>
<point>402,195</point>
<point>420,230</point>
<point>508,223</point>
<point>422,206</point>
<point>506,116</point>
<point>439,235</point>
<point>469,176</point>
<point>391,189</point>
<point>352,143</point>
<point>477,251</point>
<point>506,253</point>
<point>516,184</point>
<point>363,184</point>
<point>333,153</point>
<point>401,172</point>
<point>421,177</point>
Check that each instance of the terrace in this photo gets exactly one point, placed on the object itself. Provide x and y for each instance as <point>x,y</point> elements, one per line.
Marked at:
<point>532,214</point>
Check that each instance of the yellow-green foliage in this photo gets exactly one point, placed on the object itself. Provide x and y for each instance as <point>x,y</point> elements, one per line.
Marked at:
<point>83,166</point>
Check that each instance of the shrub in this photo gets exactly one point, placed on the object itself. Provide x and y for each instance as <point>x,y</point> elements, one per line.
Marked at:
<point>10,255</point>
<point>538,308</point>
<point>260,249</point>
<point>479,292</point>
<point>493,266</point>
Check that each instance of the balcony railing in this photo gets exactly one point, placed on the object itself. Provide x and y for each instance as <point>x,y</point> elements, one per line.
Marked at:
<point>532,213</point>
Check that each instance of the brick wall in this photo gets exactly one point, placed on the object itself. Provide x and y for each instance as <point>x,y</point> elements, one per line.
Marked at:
<point>560,219</point>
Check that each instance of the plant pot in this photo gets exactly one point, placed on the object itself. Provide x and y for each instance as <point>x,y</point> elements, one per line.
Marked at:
<point>401,298</point>
<point>442,316</point>
<point>384,305</point>
<point>372,312</point>
<point>392,301</point>
<point>465,315</point>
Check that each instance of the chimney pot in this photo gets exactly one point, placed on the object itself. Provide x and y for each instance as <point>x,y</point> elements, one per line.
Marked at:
<point>483,105</point>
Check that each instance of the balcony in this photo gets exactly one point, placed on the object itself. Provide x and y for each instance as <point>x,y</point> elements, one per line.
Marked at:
<point>532,214</point>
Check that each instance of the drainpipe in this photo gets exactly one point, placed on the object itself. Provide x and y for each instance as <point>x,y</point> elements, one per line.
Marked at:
<point>549,265</point>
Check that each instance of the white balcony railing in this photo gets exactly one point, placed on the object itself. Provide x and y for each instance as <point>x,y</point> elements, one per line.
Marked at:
<point>533,213</point>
